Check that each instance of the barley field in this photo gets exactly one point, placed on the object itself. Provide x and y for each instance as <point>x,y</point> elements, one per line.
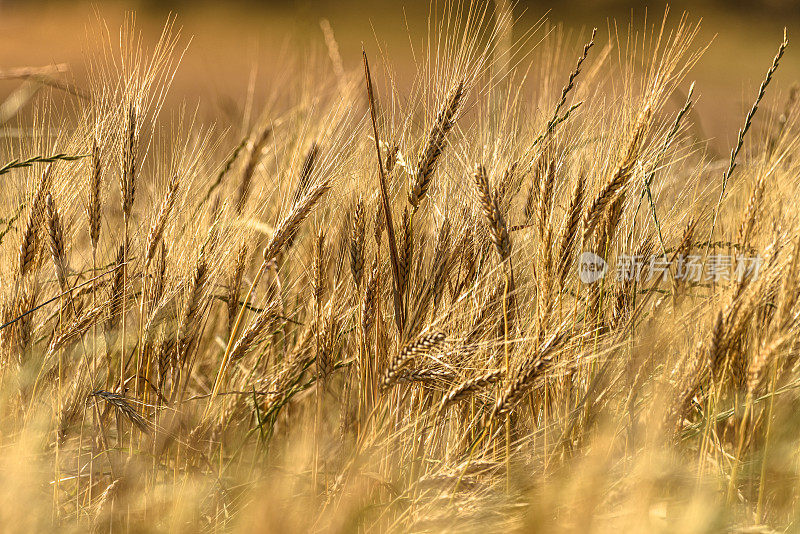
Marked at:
<point>512,288</point>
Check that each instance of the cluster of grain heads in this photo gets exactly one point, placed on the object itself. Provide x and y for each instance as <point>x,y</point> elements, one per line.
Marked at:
<point>284,231</point>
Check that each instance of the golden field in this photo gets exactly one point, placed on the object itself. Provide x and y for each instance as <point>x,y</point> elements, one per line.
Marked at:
<point>487,273</point>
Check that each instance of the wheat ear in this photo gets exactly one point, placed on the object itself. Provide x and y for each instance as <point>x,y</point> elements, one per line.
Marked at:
<point>435,145</point>
<point>619,178</point>
<point>55,231</point>
<point>748,120</point>
<point>357,238</point>
<point>253,158</point>
<point>159,223</point>
<point>470,387</point>
<point>415,349</point>
<point>94,200</point>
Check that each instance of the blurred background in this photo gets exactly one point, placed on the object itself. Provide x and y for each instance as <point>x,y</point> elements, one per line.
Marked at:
<point>229,38</point>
